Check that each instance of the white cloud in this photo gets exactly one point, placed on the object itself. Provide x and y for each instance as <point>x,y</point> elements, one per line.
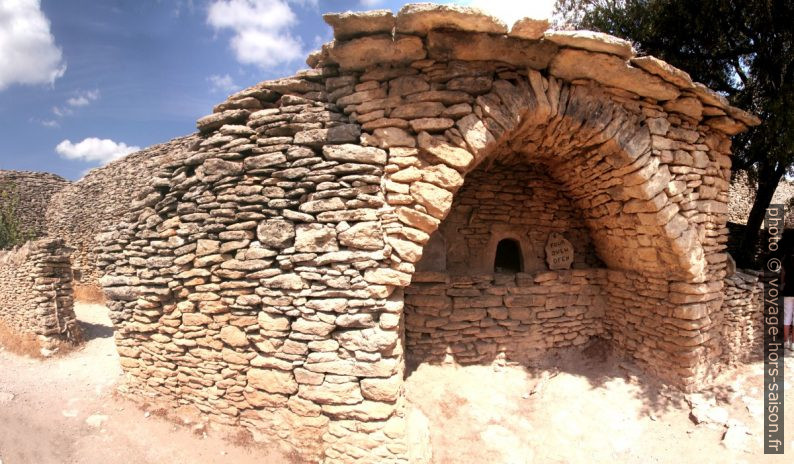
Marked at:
<point>94,149</point>
<point>511,11</point>
<point>223,83</point>
<point>49,123</point>
<point>28,54</point>
<point>83,98</point>
<point>371,3</point>
<point>61,111</point>
<point>261,29</point>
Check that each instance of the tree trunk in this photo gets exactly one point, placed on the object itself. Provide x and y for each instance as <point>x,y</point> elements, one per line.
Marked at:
<point>768,180</point>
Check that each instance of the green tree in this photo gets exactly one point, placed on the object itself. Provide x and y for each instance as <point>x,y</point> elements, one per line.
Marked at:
<point>742,49</point>
<point>11,231</point>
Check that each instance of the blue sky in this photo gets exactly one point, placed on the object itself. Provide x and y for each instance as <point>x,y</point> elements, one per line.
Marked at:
<point>83,82</point>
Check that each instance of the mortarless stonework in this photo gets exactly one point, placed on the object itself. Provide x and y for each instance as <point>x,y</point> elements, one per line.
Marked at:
<point>99,200</point>
<point>36,292</point>
<point>33,192</point>
<point>264,277</point>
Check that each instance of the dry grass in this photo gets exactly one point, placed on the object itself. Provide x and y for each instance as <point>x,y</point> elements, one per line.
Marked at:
<point>88,294</point>
<point>28,344</point>
<point>21,344</point>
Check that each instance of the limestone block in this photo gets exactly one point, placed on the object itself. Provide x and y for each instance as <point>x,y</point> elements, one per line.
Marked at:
<point>383,390</point>
<point>420,18</point>
<point>354,153</point>
<point>436,200</point>
<point>591,41</point>
<point>472,46</point>
<point>529,28</point>
<point>612,71</point>
<point>216,120</point>
<point>350,25</point>
<point>311,238</point>
<point>363,235</point>
<point>272,381</point>
<point>332,393</point>
<point>277,233</point>
<point>389,137</point>
<point>377,49</point>
<point>454,157</point>
<point>234,336</point>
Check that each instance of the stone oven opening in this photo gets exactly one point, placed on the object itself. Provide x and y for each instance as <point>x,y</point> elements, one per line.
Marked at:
<point>508,257</point>
<point>488,287</point>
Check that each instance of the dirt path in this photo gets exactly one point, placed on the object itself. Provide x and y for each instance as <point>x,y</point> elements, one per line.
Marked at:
<point>589,411</point>
<point>590,408</point>
<point>63,411</point>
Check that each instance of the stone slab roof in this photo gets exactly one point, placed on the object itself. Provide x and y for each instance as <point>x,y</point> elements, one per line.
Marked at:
<point>447,32</point>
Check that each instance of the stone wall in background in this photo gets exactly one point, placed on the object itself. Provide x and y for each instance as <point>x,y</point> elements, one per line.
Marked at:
<point>100,199</point>
<point>36,293</point>
<point>743,323</point>
<point>33,192</point>
<point>742,195</point>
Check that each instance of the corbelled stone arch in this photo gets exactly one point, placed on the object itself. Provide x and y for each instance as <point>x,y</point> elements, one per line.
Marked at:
<point>598,150</point>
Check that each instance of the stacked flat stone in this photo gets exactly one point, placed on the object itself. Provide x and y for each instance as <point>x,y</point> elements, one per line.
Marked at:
<point>36,293</point>
<point>513,318</point>
<point>742,196</point>
<point>260,278</point>
<point>32,192</point>
<point>743,323</point>
<point>518,202</point>
<point>99,200</point>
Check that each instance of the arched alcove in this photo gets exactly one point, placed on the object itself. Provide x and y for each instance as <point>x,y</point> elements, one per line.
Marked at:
<point>284,255</point>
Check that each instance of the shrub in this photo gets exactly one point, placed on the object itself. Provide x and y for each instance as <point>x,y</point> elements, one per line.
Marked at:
<point>12,232</point>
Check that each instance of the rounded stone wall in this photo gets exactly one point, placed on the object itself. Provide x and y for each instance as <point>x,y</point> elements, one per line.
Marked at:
<point>261,278</point>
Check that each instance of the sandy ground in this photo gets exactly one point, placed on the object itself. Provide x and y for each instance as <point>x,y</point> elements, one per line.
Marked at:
<point>63,411</point>
<point>589,408</point>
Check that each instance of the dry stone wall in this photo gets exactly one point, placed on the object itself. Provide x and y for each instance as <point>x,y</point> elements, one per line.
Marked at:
<point>520,203</point>
<point>743,318</point>
<point>261,278</point>
<point>742,196</point>
<point>32,192</point>
<point>36,293</point>
<point>489,318</point>
<point>98,201</point>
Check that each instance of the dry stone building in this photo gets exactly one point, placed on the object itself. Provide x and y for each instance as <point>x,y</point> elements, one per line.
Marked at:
<point>437,186</point>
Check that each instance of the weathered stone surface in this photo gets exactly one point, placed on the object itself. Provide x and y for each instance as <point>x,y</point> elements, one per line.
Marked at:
<point>689,106</point>
<point>272,381</point>
<point>420,18</point>
<point>471,46</point>
<point>529,28</point>
<point>276,233</point>
<point>664,70</point>
<point>370,50</point>
<point>436,200</point>
<point>355,24</point>
<point>364,235</point>
<point>591,41</point>
<point>389,137</point>
<point>612,71</point>
<point>559,252</point>
<point>354,153</point>
<point>455,157</point>
<point>216,120</point>
<point>234,336</point>
<point>315,238</point>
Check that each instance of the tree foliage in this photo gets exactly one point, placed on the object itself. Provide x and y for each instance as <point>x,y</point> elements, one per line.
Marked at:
<point>12,232</point>
<point>743,49</point>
